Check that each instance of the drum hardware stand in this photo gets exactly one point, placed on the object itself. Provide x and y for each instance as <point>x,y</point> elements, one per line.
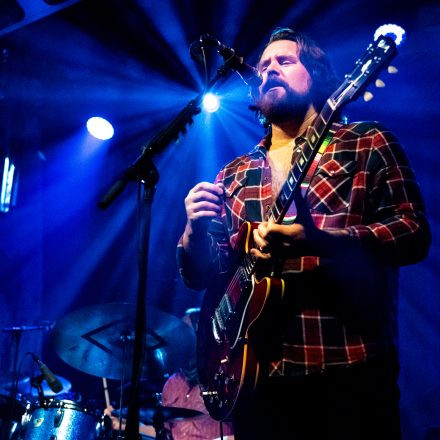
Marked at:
<point>36,382</point>
<point>162,433</point>
<point>16,332</point>
<point>144,172</point>
<point>125,339</point>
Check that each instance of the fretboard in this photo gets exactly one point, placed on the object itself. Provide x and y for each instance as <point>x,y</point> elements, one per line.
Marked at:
<point>306,147</point>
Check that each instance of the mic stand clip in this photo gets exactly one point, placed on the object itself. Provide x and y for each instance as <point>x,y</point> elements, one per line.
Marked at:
<point>36,382</point>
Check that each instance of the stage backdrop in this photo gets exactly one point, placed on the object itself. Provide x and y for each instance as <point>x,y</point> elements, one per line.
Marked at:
<point>129,61</point>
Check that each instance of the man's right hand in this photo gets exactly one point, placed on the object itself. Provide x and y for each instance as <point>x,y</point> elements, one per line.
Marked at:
<point>202,204</point>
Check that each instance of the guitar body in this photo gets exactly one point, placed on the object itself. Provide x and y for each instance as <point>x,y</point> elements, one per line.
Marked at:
<point>231,343</point>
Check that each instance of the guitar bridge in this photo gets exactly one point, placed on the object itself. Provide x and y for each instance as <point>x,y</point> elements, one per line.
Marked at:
<point>215,331</point>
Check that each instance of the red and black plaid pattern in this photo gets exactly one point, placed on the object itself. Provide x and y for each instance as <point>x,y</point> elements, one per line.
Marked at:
<point>364,184</point>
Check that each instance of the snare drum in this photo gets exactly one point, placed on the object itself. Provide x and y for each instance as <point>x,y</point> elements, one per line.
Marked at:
<point>59,419</point>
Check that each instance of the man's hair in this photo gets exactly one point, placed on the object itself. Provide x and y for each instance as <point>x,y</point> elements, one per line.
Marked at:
<point>314,59</point>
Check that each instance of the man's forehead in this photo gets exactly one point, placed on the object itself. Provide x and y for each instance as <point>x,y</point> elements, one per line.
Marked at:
<point>281,47</point>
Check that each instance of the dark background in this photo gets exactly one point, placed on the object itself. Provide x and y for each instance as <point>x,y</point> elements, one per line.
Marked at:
<point>129,61</point>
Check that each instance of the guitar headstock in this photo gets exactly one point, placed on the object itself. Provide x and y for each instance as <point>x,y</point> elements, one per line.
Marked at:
<point>376,58</point>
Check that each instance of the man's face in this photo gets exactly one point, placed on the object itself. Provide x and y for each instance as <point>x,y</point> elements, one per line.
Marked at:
<point>285,90</point>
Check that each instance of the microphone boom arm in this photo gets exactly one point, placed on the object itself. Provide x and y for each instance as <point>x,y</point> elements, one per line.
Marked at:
<point>162,139</point>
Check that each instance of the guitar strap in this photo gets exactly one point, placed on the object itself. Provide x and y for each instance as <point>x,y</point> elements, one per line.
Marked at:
<point>306,182</point>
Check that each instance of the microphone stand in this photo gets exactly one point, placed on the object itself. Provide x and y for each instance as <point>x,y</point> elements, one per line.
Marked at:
<point>143,171</point>
<point>36,383</point>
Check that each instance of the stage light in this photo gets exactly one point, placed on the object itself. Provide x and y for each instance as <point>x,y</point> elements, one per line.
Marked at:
<point>394,31</point>
<point>100,128</point>
<point>6,195</point>
<point>211,103</point>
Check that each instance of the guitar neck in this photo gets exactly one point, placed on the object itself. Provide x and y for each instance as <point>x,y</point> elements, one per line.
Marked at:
<point>307,148</point>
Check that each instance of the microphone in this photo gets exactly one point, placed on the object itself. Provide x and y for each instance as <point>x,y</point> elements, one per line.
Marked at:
<point>53,382</point>
<point>250,75</point>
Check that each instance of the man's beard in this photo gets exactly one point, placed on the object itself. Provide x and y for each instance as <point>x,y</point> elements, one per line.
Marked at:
<point>278,109</point>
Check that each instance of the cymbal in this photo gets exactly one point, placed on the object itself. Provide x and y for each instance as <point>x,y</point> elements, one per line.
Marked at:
<point>164,413</point>
<point>98,340</point>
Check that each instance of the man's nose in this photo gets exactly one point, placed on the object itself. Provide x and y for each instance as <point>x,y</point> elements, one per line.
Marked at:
<point>272,69</point>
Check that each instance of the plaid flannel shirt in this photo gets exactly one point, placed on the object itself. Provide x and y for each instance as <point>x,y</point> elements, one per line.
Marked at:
<point>335,312</point>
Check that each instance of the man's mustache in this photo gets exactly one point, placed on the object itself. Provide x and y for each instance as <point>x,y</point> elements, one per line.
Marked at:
<point>273,82</point>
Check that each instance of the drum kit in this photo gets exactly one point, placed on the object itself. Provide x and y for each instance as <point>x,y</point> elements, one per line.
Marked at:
<point>98,340</point>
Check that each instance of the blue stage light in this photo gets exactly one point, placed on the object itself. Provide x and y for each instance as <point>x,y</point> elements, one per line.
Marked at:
<point>6,194</point>
<point>394,31</point>
<point>100,128</point>
<point>211,103</point>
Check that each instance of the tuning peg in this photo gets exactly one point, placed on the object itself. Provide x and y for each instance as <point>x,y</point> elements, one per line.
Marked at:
<point>392,69</point>
<point>379,83</point>
<point>368,96</point>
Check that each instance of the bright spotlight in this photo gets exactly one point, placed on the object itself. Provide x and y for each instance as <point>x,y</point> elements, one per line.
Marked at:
<point>211,103</point>
<point>394,31</point>
<point>100,128</point>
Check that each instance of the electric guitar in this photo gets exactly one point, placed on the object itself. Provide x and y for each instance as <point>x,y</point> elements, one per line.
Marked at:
<point>233,335</point>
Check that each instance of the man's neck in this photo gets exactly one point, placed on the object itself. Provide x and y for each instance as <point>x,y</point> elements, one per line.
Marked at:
<point>283,133</point>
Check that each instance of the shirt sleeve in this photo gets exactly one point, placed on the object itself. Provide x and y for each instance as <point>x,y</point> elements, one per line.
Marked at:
<point>399,230</point>
<point>218,257</point>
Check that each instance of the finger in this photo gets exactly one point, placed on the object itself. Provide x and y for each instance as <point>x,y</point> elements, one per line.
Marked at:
<point>205,206</point>
<point>260,255</point>
<point>260,243</point>
<point>286,233</point>
<point>203,195</point>
<point>274,229</point>
<point>203,214</point>
<point>217,189</point>
<point>262,229</point>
